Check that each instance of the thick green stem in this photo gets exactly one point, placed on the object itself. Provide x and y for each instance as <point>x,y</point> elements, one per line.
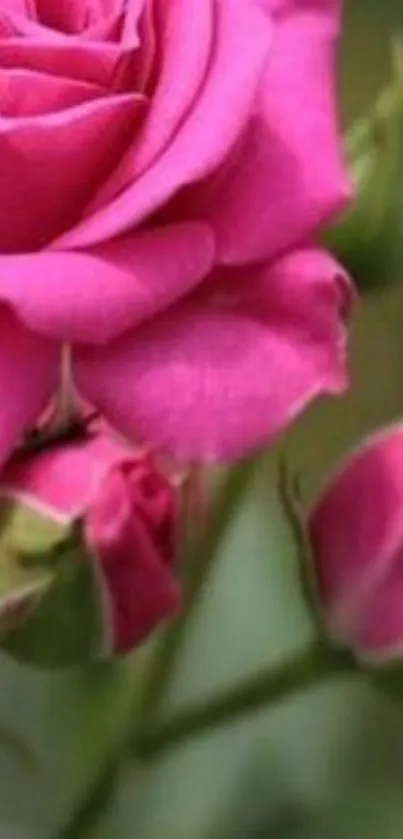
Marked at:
<point>267,688</point>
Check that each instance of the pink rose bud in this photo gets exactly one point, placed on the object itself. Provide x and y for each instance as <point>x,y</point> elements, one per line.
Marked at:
<point>88,540</point>
<point>356,531</point>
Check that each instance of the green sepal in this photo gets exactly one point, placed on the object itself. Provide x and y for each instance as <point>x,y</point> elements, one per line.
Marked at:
<point>52,604</point>
<point>289,493</point>
<point>368,238</point>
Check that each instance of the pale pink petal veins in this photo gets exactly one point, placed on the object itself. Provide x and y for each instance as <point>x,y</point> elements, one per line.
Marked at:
<point>211,129</point>
<point>94,296</point>
<point>225,370</point>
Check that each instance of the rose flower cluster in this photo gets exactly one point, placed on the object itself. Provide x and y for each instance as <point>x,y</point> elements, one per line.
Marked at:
<point>166,167</point>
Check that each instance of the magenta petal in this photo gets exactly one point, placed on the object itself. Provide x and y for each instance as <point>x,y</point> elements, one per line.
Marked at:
<point>356,534</point>
<point>289,176</point>
<point>227,369</point>
<point>139,588</point>
<point>330,9</point>
<point>63,480</point>
<point>17,7</point>
<point>50,165</point>
<point>377,633</point>
<point>95,296</point>
<point>207,134</point>
<point>89,61</point>
<point>33,94</point>
<point>75,17</point>
<point>185,36</point>
<point>29,368</point>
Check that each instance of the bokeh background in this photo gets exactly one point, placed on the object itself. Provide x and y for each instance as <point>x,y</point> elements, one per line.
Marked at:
<point>324,765</point>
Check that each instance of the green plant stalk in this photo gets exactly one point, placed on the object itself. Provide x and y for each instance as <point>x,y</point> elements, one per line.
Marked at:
<point>307,669</point>
<point>197,568</point>
<point>99,792</point>
<point>153,737</point>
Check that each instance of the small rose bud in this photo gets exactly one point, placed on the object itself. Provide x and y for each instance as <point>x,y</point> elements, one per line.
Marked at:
<point>88,533</point>
<point>356,533</point>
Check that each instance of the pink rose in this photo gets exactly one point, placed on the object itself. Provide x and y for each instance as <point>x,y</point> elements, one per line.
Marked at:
<point>102,504</point>
<point>165,166</point>
<point>356,531</point>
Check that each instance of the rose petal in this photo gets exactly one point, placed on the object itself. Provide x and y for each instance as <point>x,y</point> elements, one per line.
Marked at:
<point>32,93</point>
<point>206,136</point>
<point>74,16</point>
<point>140,587</point>
<point>93,297</point>
<point>186,34</point>
<point>93,62</point>
<point>332,8</point>
<point>133,13</point>
<point>103,29</point>
<point>356,533</point>
<point>224,371</point>
<point>50,165</point>
<point>63,480</point>
<point>289,176</point>
<point>20,7</point>
<point>378,632</point>
<point>29,368</point>
<point>145,58</point>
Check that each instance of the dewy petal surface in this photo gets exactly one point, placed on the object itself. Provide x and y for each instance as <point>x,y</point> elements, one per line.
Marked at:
<point>223,371</point>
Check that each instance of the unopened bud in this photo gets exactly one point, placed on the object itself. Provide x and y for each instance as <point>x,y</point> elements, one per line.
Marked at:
<point>88,534</point>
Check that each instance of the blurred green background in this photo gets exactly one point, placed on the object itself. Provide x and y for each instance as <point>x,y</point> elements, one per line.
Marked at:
<point>326,764</point>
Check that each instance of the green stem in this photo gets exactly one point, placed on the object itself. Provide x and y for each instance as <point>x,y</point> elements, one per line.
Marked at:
<point>196,570</point>
<point>267,688</point>
<point>97,797</point>
<point>98,794</point>
<point>305,670</point>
